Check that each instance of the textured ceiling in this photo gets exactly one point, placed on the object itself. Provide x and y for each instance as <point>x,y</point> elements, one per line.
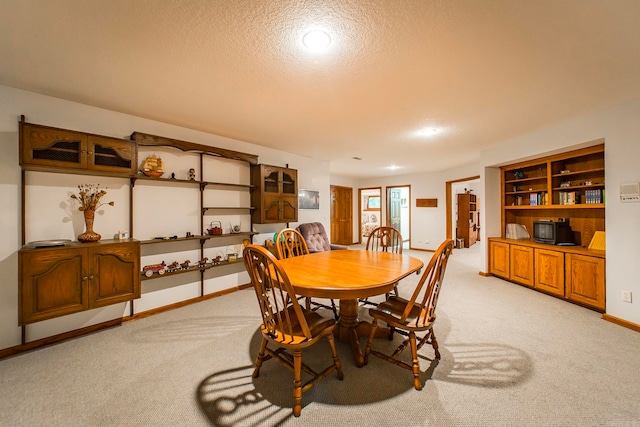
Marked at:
<point>479,71</point>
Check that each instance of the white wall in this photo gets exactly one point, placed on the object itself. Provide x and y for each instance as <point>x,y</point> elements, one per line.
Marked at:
<point>165,211</point>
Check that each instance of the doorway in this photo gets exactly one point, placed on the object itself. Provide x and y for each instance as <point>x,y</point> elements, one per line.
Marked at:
<point>341,215</point>
<point>399,211</point>
<point>369,200</point>
<point>453,188</point>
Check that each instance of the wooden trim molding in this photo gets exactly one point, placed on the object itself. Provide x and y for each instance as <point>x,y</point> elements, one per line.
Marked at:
<point>621,322</point>
<point>154,140</point>
<point>421,249</point>
<point>484,274</point>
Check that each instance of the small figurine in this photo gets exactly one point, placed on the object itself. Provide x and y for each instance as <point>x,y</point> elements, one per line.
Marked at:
<point>185,265</point>
<point>188,234</point>
<point>216,260</point>
<point>153,166</point>
<point>203,262</point>
<point>173,175</point>
<point>192,174</point>
<point>172,267</point>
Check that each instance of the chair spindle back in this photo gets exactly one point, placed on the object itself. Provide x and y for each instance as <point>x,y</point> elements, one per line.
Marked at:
<point>385,239</point>
<point>290,243</point>
<point>275,294</point>
<point>427,291</point>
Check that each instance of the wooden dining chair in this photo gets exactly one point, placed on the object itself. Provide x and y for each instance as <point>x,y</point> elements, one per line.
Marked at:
<point>290,243</point>
<point>383,239</point>
<point>414,315</point>
<point>285,324</point>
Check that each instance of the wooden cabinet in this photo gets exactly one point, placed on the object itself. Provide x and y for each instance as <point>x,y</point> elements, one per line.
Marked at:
<point>50,149</point>
<point>467,222</point>
<point>499,259</point>
<point>69,279</point>
<point>585,280</point>
<point>521,264</point>
<point>275,196</point>
<point>549,271</point>
<point>568,185</point>
<point>572,273</point>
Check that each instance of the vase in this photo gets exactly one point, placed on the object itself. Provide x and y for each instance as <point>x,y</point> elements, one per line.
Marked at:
<point>89,235</point>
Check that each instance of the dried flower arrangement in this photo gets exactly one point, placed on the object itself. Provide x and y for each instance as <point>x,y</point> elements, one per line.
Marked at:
<point>89,197</point>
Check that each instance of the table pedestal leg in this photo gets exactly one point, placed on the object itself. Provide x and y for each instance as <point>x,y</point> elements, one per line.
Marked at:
<point>350,329</point>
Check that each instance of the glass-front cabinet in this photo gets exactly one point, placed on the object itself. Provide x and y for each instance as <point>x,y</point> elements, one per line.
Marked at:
<point>275,196</point>
<point>49,149</point>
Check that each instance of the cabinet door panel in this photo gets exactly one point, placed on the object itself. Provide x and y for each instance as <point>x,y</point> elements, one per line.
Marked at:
<point>271,209</point>
<point>499,259</point>
<point>549,271</point>
<point>271,180</point>
<point>290,182</point>
<point>114,274</point>
<point>585,280</point>
<point>111,155</point>
<point>289,209</point>
<point>52,284</point>
<point>521,265</point>
<point>53,147</point>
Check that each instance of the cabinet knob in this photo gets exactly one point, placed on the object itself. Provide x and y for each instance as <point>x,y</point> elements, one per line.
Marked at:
<point>85,278</point>
<point>91,277</point>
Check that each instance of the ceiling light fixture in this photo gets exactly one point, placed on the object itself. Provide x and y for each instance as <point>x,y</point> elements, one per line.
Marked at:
<point>316,40</point>
<point>428,132</point>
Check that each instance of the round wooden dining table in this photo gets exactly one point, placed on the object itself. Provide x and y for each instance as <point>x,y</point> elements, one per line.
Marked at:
<point>347,275</point>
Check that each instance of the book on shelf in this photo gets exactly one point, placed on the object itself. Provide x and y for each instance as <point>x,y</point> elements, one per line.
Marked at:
<point>594,196</point>
<point>568,197</point>
<point>538,199</point>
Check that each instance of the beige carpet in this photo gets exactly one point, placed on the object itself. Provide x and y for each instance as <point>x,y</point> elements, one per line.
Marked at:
<point>510,357</point>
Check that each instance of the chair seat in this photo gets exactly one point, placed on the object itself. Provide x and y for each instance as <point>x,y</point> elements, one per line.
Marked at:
<point>319,326</point>
<point>390,311</point>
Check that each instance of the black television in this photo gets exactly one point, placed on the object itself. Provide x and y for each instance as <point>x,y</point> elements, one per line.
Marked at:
<point>552,232</point>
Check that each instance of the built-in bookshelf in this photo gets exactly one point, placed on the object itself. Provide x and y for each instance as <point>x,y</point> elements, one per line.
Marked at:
<point>568,185</point>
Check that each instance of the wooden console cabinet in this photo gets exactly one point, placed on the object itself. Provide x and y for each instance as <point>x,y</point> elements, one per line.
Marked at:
<point>569,272</point>
<point>275,196</point>
<point>68,279</point>
<point>566,185</point>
